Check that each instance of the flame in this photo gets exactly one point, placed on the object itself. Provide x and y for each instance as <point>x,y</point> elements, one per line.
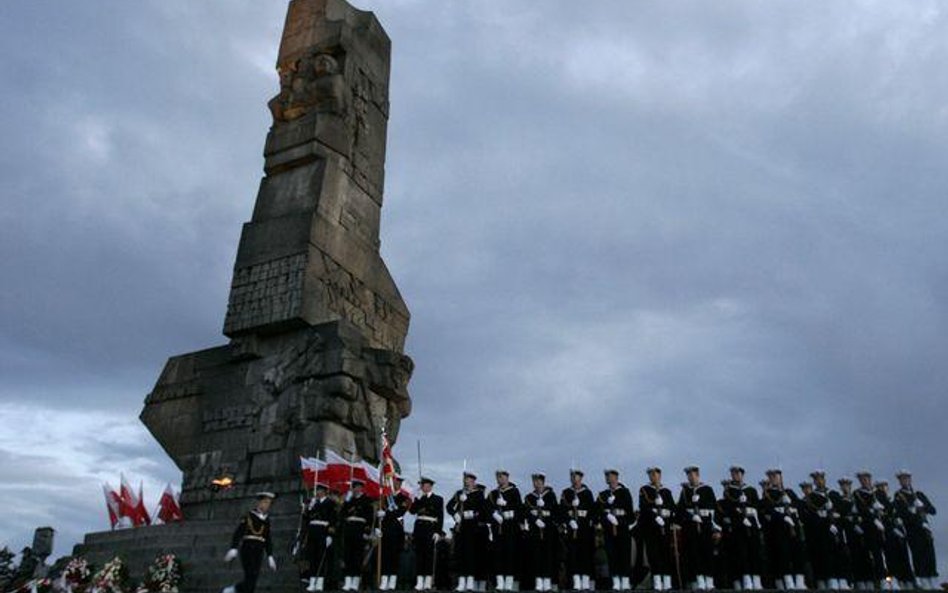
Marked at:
<point>223,482</point>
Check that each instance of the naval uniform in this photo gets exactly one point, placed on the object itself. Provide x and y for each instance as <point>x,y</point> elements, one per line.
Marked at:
<point>393,533</point>
<point>469,508</point>
<point>616,516</point>
<point>505,506</point>
<point>319,523</point>
<point>541,518</point>
<point>429,522</point>
<point>357,515</point>
<point>656,512</point>
<point>741,531</point>
<point>914,508</point>
<point>896,544</point>
<point>782,530</point>
<point>696,515</point>
<point>252,539</point>
<point>823,535</point>
<point>576,509</point>
<point>872,529</point>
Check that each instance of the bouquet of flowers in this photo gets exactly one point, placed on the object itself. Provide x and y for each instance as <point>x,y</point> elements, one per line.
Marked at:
<point>77,575</point>
<point>111,578</point>
<point>164,575</point>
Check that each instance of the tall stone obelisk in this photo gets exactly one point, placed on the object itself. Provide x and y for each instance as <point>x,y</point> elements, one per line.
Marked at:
<point>316,324</point>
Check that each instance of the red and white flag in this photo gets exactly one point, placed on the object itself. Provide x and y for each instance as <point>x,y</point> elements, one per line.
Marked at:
<point>311,468</point>
<point>169,509</point>
<point>388,467</point>
<point>113,502</point>
<point>140,511</point>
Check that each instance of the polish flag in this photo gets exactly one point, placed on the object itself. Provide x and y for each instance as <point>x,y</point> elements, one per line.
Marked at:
<point>128,504</point>
<point>140,511</point>
<point>169,508</point>
<point>113,502</point>
<point>311,468</point>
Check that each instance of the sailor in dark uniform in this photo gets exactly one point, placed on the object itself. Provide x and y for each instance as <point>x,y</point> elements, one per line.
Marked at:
<point>319,521</point>
<point>914,508</point>
<point>542,520</point>
<point>872,529</point>
<point>468,506</point>
<point>616,517</point>
<point>505,505</point>
<point>899,567</point>
<point>391,516</point>
<point>656,512</point>
<point>823,534</point>
<point>252,543</point>
<point>428,509</point>
<point>741,531</point>
<point>577,504</point>
<point>695,514</point>
<point>357,517</point>
<point>859,560</point>
<point>780,518</point>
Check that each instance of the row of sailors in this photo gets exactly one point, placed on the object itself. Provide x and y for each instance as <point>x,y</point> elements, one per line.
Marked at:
<point>744,539</point>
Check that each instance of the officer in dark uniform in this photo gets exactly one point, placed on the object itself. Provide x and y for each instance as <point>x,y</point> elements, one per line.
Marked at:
<point>577,504</point>
<point>823,534</point>
<point>914,508</point>
<point>428,509</point>
<point>741,531</point>
<point>468,506</point>
<point>506,506</point>
<point>780,518</point>
<point>357,516</point>
<point>616,516</point>
<point>541,515</point>
<point>872,529</point>
<point>656,512</point>
<point>695,514</point>
<point>391,516</point>
<point>251,541</point>
<point>319,521</point>
<point>896,544</point>
<point>858,567</point>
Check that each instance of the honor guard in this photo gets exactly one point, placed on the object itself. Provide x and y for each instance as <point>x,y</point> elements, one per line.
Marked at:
<point>319,520</point>
<point>898,565</point>
<point>914,508</point>
<point>860,560</point>
<point>741,531</point>
<point>695,514</point>
<point>656,509</point>
<point>823,534</point>
<point>616,519</point>
<point>540,515</point>
<point>468,506</point>
<point>872,527</point>
<point>780,517</point>
<point>577,504</point>
<point>252,543</point>
<point>505,505</point>
<point>428,509</point>
<point>391,517</point>
<point>356,515</point>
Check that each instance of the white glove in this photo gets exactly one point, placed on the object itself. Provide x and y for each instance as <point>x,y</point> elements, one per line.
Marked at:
<point>695,498</point>
<point>463,497</point>
<point>919,504</point>
<point>742,499</point>
<point>834,530</point>
<point>457,517</point>
<point>271,563</point>
<point>879,525</point>
<point>573,524</point>
<point>376,533</point>
<point>658,501</point>
<point>877,506</point>
<point>501,501</point>
<point>788,521</point>
<point>859,530</point>
<point>575,502</point>
<point>230,555</point>
<point>539,523</point>
<point>540,503</point>
<point>829,505</point>
<point>380,514</point>
<point>498,517</point>
<point>696,518</point>
<point>747,522</point>
<point>611,499</point>
<point>750,512</point>
<point>468,514</point>
<point>785,499</point>
<point>666,513</point>
<point>659,521</point>
<point>328,540</point>
<point>612,519</point>
<point>436,537</point>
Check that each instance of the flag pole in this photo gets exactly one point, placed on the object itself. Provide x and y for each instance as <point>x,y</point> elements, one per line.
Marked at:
<point>378,551</point>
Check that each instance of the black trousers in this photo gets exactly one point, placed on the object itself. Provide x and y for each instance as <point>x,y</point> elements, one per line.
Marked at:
<point>316,551</point>
<point>897,557</point>
<point>698,549</point>
<point>467,548</point>
<point>874,542</point>
<point>743,550</point>
<point>780,548</point>
<point>656,547</point>
<point>543,544</point>
<point>353,548</point>
<point>580,550</point>
<point>618,544</point>
<point>923,552</point>
<point>251,559</point>
<point>393,542</point>
<point>423,542</point>
<point>505,551</point>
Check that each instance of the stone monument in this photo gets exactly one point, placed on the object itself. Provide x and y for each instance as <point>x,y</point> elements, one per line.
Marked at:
<point>316,324</point>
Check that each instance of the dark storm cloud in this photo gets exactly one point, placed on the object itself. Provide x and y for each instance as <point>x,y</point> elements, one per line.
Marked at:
<point>628,232</point>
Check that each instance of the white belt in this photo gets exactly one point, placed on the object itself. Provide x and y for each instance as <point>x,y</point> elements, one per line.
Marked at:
<point>536,512</point>
<point>426,518</point>
<point>582,513</point>
<point>618,512</point>
<point>507,514</point>
<point>822,514</point>
<point>318,522</point>
<point>255,538</point>
<point>356,519</point>
<point>705,512</point>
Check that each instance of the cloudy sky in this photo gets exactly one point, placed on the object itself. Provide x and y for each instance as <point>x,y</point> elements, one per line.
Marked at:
<point>629,233</point>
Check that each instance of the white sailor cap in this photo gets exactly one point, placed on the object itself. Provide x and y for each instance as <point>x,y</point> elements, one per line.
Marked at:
<point>538,476</point>
<point>774,471</point>
<point>737,468</point>
<point>881,483</point>
<point>610,471</point>
<point>818,473</point>
<point>864,473</point>
<point>265,494</point>
<point>425,480</point>
<point>692,469</point>
<point>575,471</point>
<point>469,474</point>
<point>502,472</point>
<point>653,469</point>
<point>903,473</point>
